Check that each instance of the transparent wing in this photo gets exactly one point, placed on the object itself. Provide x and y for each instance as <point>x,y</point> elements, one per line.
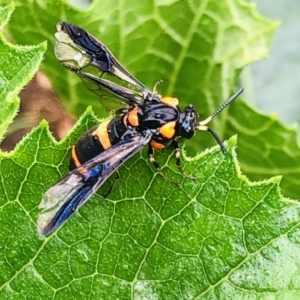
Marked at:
<point>111,95</point>
<point>91,60</point>
<point>69,194</point>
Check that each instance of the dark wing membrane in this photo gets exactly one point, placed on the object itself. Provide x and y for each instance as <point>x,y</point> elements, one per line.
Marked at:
<point>69,194</point>
<point>77,49</point>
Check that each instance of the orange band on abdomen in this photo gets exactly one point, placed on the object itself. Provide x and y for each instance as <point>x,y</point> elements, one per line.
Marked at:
<point>102,134</point>
<point>75,158</point>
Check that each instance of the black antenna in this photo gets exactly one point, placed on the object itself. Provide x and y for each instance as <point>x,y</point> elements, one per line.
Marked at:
<point>218,139</point>
<point>202,125</point>
<point>227,102</point>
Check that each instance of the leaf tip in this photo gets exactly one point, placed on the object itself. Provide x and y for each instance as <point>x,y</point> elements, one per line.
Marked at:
<point>277,179</point>
<point>44,124</point>
<point>89,110</point>
<point>43,46</point>
<point>232,141</point>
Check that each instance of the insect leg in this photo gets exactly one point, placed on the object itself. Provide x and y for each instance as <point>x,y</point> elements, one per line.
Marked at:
<point>178,160</point>
<point>152,159</point>
<point>157,167</point>
<point>177,154</point>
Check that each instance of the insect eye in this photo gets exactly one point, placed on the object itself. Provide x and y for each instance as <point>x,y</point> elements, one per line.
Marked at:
<point>95,138</point>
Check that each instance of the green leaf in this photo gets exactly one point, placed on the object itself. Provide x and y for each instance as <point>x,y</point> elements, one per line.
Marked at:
<point>148,239</point>
<point>17,67</point>
<point>197,53</point>
<point>219,237</point>
<point>266,147</point>
<point>155,43</point>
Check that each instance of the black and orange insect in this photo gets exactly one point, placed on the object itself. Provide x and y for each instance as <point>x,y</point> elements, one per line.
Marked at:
<point>143,118</point>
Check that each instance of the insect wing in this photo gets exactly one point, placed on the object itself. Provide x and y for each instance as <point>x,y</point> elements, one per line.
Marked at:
<point>77,49</point>
<point>68,195</point>
<point>111,95</point>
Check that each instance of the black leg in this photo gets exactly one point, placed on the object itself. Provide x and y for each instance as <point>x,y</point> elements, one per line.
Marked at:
<point>157,167</point>
<point>152,159</point>
<point>177,153</point>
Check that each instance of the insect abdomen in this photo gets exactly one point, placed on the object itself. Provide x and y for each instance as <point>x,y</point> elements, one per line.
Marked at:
<point>96,140</point>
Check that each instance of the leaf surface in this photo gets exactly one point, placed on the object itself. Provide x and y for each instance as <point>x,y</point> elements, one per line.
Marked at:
<point>17,67</point>
<point>219,237</point>
<point>198,54</point>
